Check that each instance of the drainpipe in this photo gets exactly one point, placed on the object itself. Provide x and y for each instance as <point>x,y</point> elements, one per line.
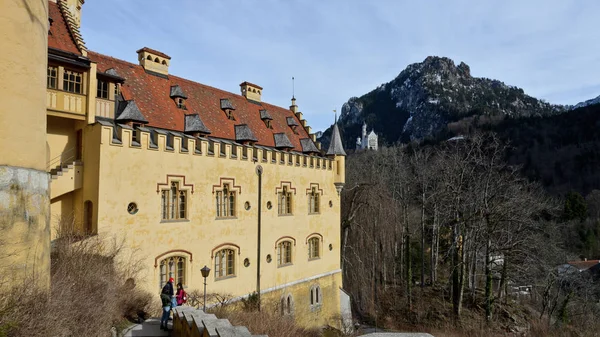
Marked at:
<point>259,171</point>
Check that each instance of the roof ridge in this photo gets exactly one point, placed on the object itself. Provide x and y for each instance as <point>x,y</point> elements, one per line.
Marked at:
<point>72,27</point>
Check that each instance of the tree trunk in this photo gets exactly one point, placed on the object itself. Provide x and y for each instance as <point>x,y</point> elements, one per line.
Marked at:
<point>456,265</point>
<point>488,282</point>
<point>345,240</point>
<point>422,239</point>
<point>408,261</point>
<point>435,244</point>
<point>502,279</point>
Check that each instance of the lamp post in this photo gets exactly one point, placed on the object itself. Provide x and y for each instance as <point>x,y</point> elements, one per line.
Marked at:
<point>205,271</point>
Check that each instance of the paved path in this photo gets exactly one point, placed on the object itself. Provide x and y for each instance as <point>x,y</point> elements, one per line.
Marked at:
<point>150,328</point>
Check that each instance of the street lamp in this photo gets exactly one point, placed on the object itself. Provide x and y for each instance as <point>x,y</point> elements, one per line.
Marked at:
<point>205,271</point>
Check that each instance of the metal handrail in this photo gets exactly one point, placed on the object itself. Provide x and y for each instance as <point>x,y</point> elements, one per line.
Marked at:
<point>67,156</point>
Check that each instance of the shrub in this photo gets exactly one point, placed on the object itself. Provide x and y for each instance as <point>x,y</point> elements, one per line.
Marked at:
<point>92,289</point>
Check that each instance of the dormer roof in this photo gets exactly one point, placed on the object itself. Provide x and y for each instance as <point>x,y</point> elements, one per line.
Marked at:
<point>308,146</point>
<point>226,104</point>
<point>176,91</point>
<point>129,111</point>
<point>193,123</point>
<point>335,146</point>
<point>282,141</point>
<point>291,121</point>
<point>111,74</point>
<point>264,114</point>
<point>244,133</point>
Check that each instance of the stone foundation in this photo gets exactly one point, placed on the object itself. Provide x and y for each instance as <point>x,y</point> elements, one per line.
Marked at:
<point>24,225</point>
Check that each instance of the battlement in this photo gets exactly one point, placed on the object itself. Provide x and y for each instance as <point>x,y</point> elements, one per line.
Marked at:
<point>153,139</point>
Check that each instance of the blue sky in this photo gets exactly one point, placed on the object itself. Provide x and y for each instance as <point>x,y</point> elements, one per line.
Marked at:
<point>337,49</point>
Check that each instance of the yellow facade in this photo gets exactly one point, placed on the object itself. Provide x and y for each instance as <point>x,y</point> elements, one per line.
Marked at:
<point>109,180</point>
<point>134,174</point>
<point>24,231</point>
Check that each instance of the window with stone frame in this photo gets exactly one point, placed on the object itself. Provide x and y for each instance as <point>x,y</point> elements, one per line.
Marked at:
<point>284,253</point>
<point>224,263</point>
<point>52,78</point>
<point>313,201</point>
<point>102,89</point>
<point>284,201</point>
<point>73,81</point>
<point>314,251</point>
<point>316,297</point>
<point>225,202</point>
<point>175,267</point>
<point>174,202</point>
<point>287,305</point>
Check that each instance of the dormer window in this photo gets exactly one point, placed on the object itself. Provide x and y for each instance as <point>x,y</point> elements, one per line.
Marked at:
<point>266,117</point>
<point>228,108</point>
<point>180,103</point>
<point>178,96</point>
<point>291,121</point>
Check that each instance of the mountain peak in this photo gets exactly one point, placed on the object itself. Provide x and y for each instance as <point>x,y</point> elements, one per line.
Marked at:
<point>427,97</point>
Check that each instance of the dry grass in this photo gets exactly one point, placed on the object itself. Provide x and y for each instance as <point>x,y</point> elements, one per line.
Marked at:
<point>92,290</point>
<point>266,322</point>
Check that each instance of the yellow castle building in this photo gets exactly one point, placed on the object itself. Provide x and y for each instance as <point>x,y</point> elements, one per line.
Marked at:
<point>186,175</point>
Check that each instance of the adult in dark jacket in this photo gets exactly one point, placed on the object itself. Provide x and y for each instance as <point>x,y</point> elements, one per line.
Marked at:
<point>165,297</point>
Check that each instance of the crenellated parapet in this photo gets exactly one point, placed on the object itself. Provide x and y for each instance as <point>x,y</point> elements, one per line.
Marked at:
<point>153,139</point>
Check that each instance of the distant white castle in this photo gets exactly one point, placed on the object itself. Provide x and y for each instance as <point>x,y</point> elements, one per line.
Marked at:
<point>367,141</point>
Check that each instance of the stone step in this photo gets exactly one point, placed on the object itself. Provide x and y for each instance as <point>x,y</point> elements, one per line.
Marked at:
<point>211,326</point>
<point>233,331</point>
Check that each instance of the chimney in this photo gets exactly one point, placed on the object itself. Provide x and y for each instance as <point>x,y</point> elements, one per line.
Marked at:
<point>251,91</point>
<point>154,61</point>
<point>75,9</point>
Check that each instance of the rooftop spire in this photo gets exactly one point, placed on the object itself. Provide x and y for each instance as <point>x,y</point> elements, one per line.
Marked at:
<point>293,89</point>
<point>335,146</point>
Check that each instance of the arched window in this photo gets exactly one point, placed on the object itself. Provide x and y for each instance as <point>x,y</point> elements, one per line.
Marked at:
<point>88,213</point>
<point>287,305</point>
<point>174,202</point>
<point>314,251</point>
<point>316,297</point>
<point>284,253</point>
<point>285,201</point>
<point>156,60</point>
<point>175,267</point>
<point>164,62</point>
<point>225,202</point>
<point>224,263</point>
<point>149,57</point>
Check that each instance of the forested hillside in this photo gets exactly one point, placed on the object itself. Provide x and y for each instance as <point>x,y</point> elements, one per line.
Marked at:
<point>452,237</point>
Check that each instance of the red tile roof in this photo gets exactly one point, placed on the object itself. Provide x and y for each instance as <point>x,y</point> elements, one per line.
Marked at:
<point>59,36</point>
<point>151,94</point>
<point>155,52</point>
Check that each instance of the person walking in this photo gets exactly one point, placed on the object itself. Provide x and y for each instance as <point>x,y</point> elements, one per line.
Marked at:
<point>181,295</point>
<point>165,296</point>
